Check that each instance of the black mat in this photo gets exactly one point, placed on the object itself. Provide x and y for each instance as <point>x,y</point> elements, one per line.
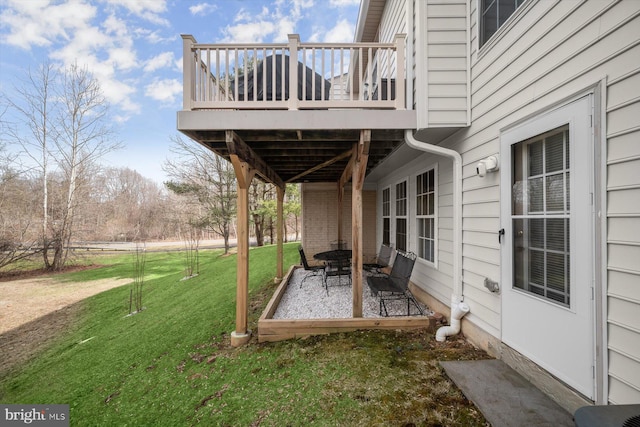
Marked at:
<point>503,396</point>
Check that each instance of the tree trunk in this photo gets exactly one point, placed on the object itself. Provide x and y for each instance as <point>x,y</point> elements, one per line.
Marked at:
<point>45,217</point>
<point>258,226</point>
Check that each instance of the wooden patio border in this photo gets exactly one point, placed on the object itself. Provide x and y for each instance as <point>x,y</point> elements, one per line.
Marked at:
<point>271,330</point>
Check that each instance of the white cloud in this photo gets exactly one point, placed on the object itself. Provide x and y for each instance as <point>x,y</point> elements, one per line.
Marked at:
<point>69,33</point>
<point>344,3</point>
<point>153,37</point>
<point>40,23</point>
<point>272,23</point>
<point>149,10</point>
<point>253,32</point>
<point>163,60</point>
<point>284,27</point>
<point>202,9</point>
<point>164,90</point>
<point>119,93</point>
<point>341,33</point>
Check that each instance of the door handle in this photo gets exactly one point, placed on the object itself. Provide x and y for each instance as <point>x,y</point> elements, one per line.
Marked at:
<point>500,234</point>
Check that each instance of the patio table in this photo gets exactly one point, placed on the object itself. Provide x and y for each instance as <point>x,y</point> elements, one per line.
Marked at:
<point>337,264</point>
<point>334,255</point>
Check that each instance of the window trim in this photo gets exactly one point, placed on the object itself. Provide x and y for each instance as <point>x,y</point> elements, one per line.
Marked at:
<point>545,214</point>
<point>411,217</point>
<point>406,216</point>
<point>416,217</point>
<point>504,28</point>
<point>389,215</point>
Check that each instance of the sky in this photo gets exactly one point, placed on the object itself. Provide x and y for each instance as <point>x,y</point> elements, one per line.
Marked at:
<point>134,49</point>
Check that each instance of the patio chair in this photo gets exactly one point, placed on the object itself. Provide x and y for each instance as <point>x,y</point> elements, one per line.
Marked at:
<point>315,270</point>
<point>395,286</point>
<point>340,267</point>
<point>382,260</point>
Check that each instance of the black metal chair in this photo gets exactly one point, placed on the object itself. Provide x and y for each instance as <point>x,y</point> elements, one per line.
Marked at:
<point>315,270</point>
<point>382,260</point>
<point>395,286</point>
<point>338,267</point>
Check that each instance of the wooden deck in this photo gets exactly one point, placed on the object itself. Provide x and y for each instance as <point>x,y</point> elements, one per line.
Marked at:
<point>270,329</point>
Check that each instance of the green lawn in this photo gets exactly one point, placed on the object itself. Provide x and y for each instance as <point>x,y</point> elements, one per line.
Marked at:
<point>172,364</point>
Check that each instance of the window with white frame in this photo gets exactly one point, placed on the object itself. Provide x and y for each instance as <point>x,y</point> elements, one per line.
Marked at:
<point>540,215</point>
<point>425,215</point>
<point>493,14</point>
<point>386,216</point>
<point>401,216</point>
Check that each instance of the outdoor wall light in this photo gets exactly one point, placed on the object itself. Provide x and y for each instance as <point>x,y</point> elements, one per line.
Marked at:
<point>490,164</point>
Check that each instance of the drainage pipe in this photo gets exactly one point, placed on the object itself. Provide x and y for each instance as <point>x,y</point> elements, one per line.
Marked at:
<point>457,293</point>
<point>458,310</point>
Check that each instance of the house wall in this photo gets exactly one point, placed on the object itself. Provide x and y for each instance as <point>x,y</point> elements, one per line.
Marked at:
<point>439,276</point>
<point>442,37</point>
<point>547,52</point>
<point>320,213</point>
<point>439,30</point>
<point>393,20</point>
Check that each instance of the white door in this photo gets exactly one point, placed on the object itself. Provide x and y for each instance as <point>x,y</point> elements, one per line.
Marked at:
<point>547,245</point>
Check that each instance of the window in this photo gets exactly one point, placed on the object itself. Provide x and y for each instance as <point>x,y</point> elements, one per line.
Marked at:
<point>425,215</point>
<point>540,213</point>
<point>493,14</point>
<point>401,216</point>
<point>386,216</point>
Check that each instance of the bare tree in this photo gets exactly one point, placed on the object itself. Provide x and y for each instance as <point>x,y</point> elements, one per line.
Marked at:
<point>135,293</point>
<point>83,138</point>
<point>131,206</point>
<point>262,207</point>
<point>65,115</point>
<point>16,241</point>
<point>292,208</point>
<point>191,252</point>
<point>207,179</point>
<point>35,107</point>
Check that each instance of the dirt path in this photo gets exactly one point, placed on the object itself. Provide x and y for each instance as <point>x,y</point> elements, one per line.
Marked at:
<point>33,311</point>
<point>22,301</point>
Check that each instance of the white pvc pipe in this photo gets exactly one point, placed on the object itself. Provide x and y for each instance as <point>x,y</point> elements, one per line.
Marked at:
<point>458,311</point>
<point>456,297</point>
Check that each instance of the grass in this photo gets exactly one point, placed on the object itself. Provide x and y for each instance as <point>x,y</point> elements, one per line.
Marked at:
<point>172,364</point>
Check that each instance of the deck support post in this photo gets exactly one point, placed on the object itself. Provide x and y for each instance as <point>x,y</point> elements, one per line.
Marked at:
<point>280,233</point>
<point>339,211</point>
<point>360,158</point>
<point>244,175</point>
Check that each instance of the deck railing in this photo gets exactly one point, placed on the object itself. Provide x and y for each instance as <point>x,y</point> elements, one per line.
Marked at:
<point>268,76</point>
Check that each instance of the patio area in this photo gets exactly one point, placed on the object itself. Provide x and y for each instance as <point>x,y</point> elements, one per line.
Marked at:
<point>296,311</point>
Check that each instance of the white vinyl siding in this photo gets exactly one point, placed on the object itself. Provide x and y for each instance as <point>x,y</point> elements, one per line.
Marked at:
<point>434,278</point>
<point>442,65</point>
<point>393,22</point>
<point>440,57</point>
<point>547,52</point>
<point>623,235</point>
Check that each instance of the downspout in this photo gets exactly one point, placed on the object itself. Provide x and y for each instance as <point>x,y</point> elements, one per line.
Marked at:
<point>458,308</point>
